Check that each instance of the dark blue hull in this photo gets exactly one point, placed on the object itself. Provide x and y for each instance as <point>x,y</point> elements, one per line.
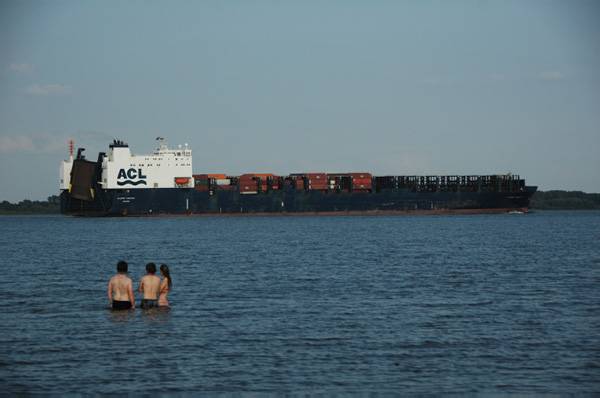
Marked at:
<point>146,202</point>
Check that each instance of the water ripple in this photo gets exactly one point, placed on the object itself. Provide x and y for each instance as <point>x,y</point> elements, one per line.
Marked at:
<point>315,305</point>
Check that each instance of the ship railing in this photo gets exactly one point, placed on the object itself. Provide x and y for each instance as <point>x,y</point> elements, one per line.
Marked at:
<point>452,183</point>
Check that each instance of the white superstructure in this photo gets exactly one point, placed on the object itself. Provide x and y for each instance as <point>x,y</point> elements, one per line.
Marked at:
<point>65,169</point>
<point>65,173</point>
<point>165,168</point>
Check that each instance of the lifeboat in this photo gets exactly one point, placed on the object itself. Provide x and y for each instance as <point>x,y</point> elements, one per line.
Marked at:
<point>182,180</point>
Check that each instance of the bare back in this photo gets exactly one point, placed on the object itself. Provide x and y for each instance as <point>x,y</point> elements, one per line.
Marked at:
<point>164,291</point>
<point>149,285</point>
<point>120,286</point>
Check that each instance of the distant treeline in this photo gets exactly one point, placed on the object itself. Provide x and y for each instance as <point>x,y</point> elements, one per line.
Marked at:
<point>549,200</point>
<point>50,206</point>
<point>565,200</point>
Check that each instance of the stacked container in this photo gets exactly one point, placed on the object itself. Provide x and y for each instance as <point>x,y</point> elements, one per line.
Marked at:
<point>298,180</point>
<point>318,181</point>
<point>361,182</point>
<point>248,184</point>
<point>201,182</point>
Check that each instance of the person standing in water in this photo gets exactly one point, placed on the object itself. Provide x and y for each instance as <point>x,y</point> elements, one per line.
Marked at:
<point>165,285</point>
<point>120,289</point>
<point>149,286</point>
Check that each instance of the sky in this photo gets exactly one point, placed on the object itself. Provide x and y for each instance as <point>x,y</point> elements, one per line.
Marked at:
<point>387,87</point>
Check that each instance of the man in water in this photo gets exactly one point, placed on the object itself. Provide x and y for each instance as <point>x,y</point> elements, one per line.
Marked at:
<point>149,286</point>
<point>120,289</point>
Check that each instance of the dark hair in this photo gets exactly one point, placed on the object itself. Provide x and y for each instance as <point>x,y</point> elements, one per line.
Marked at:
<point>165,270</point>
<point>122,267</point>
<point>151,268</point>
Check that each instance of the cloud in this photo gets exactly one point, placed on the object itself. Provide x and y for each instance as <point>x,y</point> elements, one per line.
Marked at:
<point>48,90</point>
<point>21,68</point>
<point>16,144</point>
<point>52,143</point>
<point>45,143</point>
<point>406,164</point>
<point>551,75</point>
<point>437,81</point>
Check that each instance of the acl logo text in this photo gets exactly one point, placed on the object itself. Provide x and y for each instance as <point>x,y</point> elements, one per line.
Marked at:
<point>129,176</point>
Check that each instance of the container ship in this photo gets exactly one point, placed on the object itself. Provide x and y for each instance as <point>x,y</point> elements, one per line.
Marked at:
<point>123,184</point>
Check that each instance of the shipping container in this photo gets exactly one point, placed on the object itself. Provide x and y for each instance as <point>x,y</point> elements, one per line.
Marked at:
<point>317,176</point>
<point>361,186</point>
<point>248,183</point>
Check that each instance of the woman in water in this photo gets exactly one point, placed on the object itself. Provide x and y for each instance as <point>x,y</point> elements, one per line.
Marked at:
<point>165,285</point>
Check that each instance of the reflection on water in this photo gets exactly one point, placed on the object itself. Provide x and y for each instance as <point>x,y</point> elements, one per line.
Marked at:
<point>120,316</point>
<point>157,314</point>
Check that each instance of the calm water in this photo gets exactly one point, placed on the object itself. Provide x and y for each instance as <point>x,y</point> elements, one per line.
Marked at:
<point>398,304</point>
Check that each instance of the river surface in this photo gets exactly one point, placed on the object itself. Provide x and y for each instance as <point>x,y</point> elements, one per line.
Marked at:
<point>487,304</point>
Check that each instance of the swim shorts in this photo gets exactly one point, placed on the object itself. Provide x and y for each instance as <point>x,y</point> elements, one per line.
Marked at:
<point>149,303</point>
<point>121,305</point>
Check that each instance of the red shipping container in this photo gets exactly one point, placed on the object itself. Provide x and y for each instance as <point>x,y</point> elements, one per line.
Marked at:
<point>317,186</point>
<point>317,176</point>
<point>248,185</point>
<point>200,177</point>
<point>356,187</point>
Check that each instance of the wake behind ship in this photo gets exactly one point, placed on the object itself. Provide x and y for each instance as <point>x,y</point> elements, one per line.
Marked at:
<point>122,184</point>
